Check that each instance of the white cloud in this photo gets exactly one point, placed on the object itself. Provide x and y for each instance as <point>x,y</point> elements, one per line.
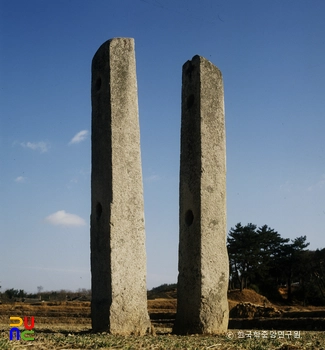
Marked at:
<point>287,186</point>
<point>20,179</point>
<point>152,178</point>
<point>319,185</point>
<point>72,182</point>
<point>61,218</point>
<point>80,136</point>
<point>40,146</point>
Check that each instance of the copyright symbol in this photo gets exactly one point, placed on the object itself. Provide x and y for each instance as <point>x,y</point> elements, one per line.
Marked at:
<point>230,335</point>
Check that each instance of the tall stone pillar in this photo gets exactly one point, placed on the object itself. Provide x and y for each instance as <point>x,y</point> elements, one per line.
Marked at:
<point>202,305</point>
<point>118,256</point>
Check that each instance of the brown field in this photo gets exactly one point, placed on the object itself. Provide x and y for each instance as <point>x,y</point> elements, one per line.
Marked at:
<point>255,323</point>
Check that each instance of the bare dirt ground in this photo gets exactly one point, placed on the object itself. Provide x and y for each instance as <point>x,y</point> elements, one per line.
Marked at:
<point>66,325</point>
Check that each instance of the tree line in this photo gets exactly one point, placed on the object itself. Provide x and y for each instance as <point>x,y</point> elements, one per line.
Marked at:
<point>260,259</point>
<point>13,294</point>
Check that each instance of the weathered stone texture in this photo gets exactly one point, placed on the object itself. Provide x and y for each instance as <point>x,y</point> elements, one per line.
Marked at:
<point>118,256</point>
<point>202,305</point>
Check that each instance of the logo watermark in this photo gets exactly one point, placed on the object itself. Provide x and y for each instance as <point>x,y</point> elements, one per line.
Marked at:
<point>263,334</point>
<point>27,334</point>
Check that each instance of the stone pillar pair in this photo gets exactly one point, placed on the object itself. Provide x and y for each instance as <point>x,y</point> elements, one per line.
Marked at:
<point>118,256</point>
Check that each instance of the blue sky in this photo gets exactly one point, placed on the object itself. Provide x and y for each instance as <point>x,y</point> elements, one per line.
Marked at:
<point>272,57</point>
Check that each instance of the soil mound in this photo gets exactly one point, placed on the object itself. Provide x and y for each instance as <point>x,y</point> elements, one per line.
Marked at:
<point>247,296</point>
<point>249,310</point>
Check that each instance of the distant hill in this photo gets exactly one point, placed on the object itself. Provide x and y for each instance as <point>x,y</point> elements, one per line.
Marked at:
<point>164,291</point>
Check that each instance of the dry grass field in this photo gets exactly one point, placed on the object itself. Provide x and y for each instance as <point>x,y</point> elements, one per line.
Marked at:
<point>66,325</point>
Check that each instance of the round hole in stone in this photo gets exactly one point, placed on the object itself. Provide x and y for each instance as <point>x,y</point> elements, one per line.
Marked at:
<point>190,101</point>
<point>99,210</point>
<point>189,217</point>
<point>98,83</point>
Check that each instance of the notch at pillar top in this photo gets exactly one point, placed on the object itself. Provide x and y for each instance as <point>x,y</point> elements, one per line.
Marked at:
<point>197,61</point>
